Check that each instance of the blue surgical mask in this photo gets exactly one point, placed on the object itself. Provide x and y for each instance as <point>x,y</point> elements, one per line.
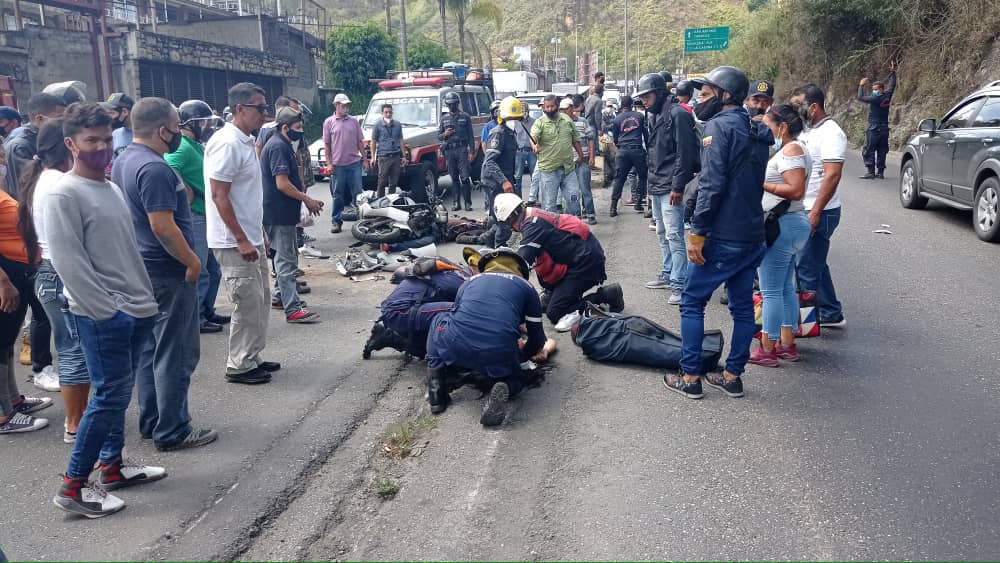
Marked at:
<point>876,92</point>
<point>294,135</point>
<point>777,143</point>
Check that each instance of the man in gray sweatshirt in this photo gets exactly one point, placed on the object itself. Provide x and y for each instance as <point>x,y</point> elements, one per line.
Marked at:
<point>92,247</point>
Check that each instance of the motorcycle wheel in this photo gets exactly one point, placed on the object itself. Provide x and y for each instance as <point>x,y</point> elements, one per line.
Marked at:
<point>378,230</point>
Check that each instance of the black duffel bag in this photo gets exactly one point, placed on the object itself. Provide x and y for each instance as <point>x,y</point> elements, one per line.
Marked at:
<point>638,340</point>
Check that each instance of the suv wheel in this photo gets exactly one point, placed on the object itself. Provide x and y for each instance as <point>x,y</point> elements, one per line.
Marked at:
<point>986,211</point>
<point>909,195</point>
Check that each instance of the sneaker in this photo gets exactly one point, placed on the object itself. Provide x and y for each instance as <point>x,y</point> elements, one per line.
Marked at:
<point>21,422</point>
<point>787,353</point>
<point>208,327</point>
<point>127,473</point>
<point>307,238</point>
<point>68,437</point>
<point>652,226</point>
<point>495,406</point>
<point>302,316</point>
<point>311,252</point>
<point>675,382</point>
<point>675,297</point>
<point>335,228</point>
<point>833,322</point>
<point>658,283</point>
<point>196,438</point>
<point>629,201</point>
<point>47,379</point>
<point>87,498</point>
<point>731,387</point>
<point>591,219</point>
<point>253,377</point>
<point>269,367</point>
<point>567,321</point>
<point>302,288</point>
<point>28,405</point>
<point>762,357</point>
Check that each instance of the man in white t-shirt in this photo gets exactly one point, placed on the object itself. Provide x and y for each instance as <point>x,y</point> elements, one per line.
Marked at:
<point>827,145</point>
<point>234,213</point>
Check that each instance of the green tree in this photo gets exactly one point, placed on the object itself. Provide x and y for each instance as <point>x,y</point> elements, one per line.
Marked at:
<point>426,53</point>
<point>463,10</point>
<point>356,53</point>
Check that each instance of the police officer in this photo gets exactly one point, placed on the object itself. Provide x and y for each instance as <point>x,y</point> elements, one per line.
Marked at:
<point>459,146</point>
<point>672,147</point>
<point>629,133</point>
<point>726,242</point>
<point>760,99</point>
<point>481,331</point>
<point>501,157</point>
<point>568,259</point>
<point>877,136</point>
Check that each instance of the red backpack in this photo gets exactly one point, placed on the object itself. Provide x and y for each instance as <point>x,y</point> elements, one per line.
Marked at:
<point>549,271</point>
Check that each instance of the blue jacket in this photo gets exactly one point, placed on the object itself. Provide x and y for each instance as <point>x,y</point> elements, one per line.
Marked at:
<point>878,114</point>
<point>732,178</point>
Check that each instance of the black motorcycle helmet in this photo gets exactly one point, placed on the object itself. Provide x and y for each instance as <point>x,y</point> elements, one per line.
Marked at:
<point>451,98</point>
<point>729,79</point>
<point>195,116</point>
<point>667,77</point>
<point>653,82</point>
<point>685,88</point>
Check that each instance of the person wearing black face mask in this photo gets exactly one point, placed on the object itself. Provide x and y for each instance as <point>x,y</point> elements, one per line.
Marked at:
<point>164,231</point>
<point>458,143</point>
<point>760,99</point>
<point>188,161</point>
<point>120,105</point>
<point>726,243</point>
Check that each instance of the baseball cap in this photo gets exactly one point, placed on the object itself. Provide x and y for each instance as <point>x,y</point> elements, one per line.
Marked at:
<point>287,116</point>
<point>762,88</point>
<point>118,100</point>
<point>566,103</point>
<point>341,99</point>
<point>7,112</point>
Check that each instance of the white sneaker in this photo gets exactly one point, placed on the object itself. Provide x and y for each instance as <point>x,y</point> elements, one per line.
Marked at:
<point>128,473</point>
<point>567,321</point>
<point>47,379</point>
<point>311,252</point>
<point>89,499</point>
<point>675,297</point>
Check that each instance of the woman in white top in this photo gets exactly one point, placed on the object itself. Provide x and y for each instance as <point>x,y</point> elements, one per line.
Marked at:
<point>784,188</point>
<point>53,160</point>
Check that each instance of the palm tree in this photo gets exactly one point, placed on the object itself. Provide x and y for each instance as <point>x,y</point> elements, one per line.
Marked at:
<point>442,9</point>
<point>487,10</point>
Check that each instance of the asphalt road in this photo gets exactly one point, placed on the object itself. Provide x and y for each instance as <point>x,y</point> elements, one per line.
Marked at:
<point>880,444</point>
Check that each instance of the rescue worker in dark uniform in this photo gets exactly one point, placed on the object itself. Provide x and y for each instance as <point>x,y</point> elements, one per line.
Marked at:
<point>425,288</point>
<point>568,259</point>
<point>497,176</point>
<point>877,136</point>
<point>726,243</point>
<point>628,131</point>
<point>482,330</point>
<point>459,146</point>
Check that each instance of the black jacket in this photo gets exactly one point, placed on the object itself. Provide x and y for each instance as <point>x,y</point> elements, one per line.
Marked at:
<point>878,113</point>
<point>673,150</point>
<point>629,129</point>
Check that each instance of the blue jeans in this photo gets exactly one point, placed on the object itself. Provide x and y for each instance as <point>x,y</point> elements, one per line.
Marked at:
<point>211,274</point>
<point>113,348</point>
<point>777,275</point>
<point>670,230</point>
<point>557,185</point>
<point>733,263</point>
<point>49,290</point>
<point>286,261</point>
<point>167,362</point>
<point>586,196</point>
<point>814,273</point>
<point>345,187</point>
<point>525,164</point>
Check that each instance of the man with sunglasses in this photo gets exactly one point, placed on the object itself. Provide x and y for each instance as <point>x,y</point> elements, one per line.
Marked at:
<point>235,212</point>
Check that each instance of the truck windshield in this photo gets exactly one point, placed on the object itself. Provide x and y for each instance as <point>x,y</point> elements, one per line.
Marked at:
<point>408,111</point>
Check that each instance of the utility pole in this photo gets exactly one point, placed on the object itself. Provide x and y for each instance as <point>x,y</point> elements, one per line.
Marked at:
<point>576,71</point>
<point>402,34</point>
<point>626,48</point>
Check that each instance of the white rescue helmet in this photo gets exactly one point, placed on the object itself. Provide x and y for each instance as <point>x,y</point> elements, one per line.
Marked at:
<point>504,205</point>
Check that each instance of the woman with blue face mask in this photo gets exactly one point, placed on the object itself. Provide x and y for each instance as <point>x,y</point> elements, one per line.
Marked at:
<point>784,187</point>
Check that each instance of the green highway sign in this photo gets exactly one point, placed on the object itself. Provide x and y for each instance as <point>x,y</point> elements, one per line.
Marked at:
<point>706,38</point>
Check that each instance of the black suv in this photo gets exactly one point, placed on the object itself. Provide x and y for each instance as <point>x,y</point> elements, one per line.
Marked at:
<point>957,161</point>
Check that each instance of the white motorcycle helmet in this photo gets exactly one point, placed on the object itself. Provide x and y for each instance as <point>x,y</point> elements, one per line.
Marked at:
<point>504,205</point>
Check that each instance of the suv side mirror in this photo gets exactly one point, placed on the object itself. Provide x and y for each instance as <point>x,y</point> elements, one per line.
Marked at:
<point>928,126</point>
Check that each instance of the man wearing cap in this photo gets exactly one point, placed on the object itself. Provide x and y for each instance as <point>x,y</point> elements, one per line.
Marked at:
<point>760,99</point>
<point>10,119</point>
<point>120,106</point>
<point>557,144</point>
<point>284,196</point>
<point>345,156</point>
<point>20,144</point>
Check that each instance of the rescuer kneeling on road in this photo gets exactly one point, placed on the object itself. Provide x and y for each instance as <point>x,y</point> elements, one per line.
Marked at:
<point>482,330</point>
<point>568,259</point>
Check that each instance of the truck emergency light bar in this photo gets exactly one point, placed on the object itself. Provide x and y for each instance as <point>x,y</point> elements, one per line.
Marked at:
<point>435,82</point>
